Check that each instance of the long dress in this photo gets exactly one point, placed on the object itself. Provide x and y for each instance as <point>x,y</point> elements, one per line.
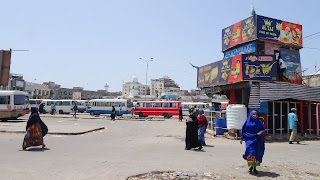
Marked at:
<point>33,136</point>
<point>192,132</point>
<point>254,143</point>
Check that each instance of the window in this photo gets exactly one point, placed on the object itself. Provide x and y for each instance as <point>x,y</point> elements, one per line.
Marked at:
<point>4,99</point>
<point>58,103</point>
<point>175,105</point>
<point>148,105</point>
<point>66,103</point>
<point>165,105</point>
<point>157,105</point>
<point>19,99</point>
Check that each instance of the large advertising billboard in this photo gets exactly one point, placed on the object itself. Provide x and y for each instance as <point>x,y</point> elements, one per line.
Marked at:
<point>245,49</point>
<point>238,68</point>
<point>260,27</point>
<point>291,59</point>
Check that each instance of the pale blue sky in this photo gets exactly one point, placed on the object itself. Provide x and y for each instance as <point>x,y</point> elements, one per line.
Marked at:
<point>90,43</point>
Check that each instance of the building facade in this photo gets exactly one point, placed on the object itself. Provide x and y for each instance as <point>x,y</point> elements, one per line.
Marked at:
<point>133,88</point>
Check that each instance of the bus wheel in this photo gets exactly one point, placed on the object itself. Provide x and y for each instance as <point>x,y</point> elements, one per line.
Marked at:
<point>91,113</point>
<point>60,111</point>
<point>166,115</point>
<point>140,114</point>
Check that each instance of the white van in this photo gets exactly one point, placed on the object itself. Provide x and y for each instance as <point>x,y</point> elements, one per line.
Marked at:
<point>197,105</point>
<point>35,102</point>
<point>13,104</point>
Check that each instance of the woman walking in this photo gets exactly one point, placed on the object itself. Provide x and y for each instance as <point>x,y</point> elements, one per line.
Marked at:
<point>202,126</point>
<point>252,134</point>
<point>180,113</point>
<point>35,130</point>
<point>113,113</point>
<point>192,132</point>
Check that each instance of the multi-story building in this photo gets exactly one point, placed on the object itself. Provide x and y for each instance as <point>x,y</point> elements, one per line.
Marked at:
<point>41,91</point>
<point>157,87</point>
<point>313,79</point>
<point>133,88</point>
<point>164,87</point>
<point>66,93</point>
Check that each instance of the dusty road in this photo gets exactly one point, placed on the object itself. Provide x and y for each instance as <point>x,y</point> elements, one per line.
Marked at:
<point>126,148</point>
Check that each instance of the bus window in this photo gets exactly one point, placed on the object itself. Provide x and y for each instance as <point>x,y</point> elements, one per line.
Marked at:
<point>4,99</point>
<point>165,105</point>
<point>156,105</point>
<point>175,105</point>
<point>66,103</point>
<point>148,105</point>
<point>19,99</point>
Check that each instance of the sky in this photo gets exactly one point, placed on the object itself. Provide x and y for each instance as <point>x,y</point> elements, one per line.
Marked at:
<point>91,43</point>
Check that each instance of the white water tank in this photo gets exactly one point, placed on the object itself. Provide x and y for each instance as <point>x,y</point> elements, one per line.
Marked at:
<point>236,116</point>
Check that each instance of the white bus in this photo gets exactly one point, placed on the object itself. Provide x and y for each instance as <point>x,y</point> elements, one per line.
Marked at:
<point>197,105</point>
<point>13,104</point>
<point>82,105</point>
<point>35,102</point>
<point>104,106</point>
<point>61,106</point>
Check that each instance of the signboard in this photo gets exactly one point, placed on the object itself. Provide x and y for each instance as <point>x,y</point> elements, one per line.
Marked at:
<point>279,31</point>
<point>5,59</point>
<point>259,67</point>
<point>245,49</point>
<point>291,59</point>
<point>238,68</point>
<point>260,27</point>
<point>76,96</point>
<point>241,32</point>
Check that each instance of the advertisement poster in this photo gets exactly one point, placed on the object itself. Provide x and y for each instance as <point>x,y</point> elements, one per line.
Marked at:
<point>249,29</point>
<point>236,34</point>
<point>291,59</point>
<point>236,69</point>
<point>279,31</point>
<point>226,37</point>
<point>215,73</point>
<point>245,49</point>
<point>76,96</point>
<point>259,67</point>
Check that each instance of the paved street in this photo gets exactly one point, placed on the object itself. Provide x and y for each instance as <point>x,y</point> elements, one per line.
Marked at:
<point>129,147</point>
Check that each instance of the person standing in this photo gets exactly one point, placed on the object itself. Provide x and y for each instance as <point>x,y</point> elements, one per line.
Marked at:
<point>35,130</point>
<point>192,132</point>
<point>53,108</point>
<point>41,108</point>
<point>113,113</point>
<point>75,108</point>
<point>252,134</point>
<point>202,126</point>
<point>180,114</point>
<point>292,121</point>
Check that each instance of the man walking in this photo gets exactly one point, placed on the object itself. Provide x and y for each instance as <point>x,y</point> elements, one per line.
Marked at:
<point>292,121</point>
<point>75,108</point>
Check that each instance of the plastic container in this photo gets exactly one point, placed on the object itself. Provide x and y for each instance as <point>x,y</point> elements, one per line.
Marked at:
<point>236,116</point>
<point>221,124</point>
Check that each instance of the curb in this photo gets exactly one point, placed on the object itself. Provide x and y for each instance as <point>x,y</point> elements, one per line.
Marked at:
<point>57,133</point>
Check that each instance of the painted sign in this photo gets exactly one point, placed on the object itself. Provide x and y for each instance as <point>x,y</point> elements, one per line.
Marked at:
<point>76,96</point>
<point>245,49</point>
<point>259,67</point>
<point>279,31</point>
<point>249,31</point>
<point>291,59</point>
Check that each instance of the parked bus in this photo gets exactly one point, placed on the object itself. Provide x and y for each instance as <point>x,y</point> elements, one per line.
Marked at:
<point>63,106</point>
<point>104,106</point>
<point>35,102</point>
<point>82,105</point>
<point>187,105</point>
<point>13,104</point>
<point>157,108</point>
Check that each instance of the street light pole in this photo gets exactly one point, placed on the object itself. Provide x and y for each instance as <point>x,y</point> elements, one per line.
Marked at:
<point>151,59</point>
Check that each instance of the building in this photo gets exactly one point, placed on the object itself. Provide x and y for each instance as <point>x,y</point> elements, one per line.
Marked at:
<point>165,87</point>
<point>133,89</point>
<point>312,80</point>
<point>41,91</point>
<point>249,74</point>
<point>66,93</point>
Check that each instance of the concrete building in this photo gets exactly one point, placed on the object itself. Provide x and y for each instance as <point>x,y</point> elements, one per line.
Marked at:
<point>41,91</point>
<point>66,93</point>
<point>312,80</point>
<point>164,87</point>
<point>133,88</point>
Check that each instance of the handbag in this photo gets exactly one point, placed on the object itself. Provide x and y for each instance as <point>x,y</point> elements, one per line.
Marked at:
<point>44,128</point>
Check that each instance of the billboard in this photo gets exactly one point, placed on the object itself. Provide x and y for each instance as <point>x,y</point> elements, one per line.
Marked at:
<point>245,49</point>
<point>279,31</point>
<point>5,61</point>
<point>76,96</point>
<point>238,68</point>
<point>241,32</point>
<point>291,59</point>
<point>260,27</point>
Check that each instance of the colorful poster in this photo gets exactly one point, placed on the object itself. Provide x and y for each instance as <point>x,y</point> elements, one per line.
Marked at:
<point>226,37</point>
<point>259,67</point>
<point>279,31</point>
<point>236,34</point>
<point>291,59</point>
<point>215,73</point>
<point>236,69</point>
<point>249,29</point>
<point>245,49</point>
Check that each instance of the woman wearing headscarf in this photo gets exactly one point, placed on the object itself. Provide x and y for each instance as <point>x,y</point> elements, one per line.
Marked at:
<point>180,113</point>
<point>202,126</point>
<point>35,130</point>
<point>113,113</point>
<point>252,134</point>
<point>192,132</point>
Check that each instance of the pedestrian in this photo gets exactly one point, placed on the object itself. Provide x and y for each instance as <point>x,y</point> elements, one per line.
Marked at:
<point>41,108</point>
<point>53,108</point>
<point>180,114</point>
<point>192,132</point>
<point>35,131</point>
<point>252,134</point>
<point>113,113</point>
<point>75,108</point>
<point>202,126</point>
<point>292,121</point>
<point>281,66</point>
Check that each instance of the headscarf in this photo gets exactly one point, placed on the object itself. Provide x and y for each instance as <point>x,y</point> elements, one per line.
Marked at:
<point>251,127</point>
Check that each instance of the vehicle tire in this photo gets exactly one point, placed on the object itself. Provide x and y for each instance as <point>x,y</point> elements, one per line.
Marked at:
<point>60,111</point>
<point>91,113</point>
<point>140,114</point>
<point>166,115</point>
